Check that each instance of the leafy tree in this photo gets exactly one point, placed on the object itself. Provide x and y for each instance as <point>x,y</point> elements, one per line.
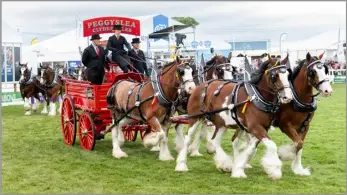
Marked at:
<point>187,21</point>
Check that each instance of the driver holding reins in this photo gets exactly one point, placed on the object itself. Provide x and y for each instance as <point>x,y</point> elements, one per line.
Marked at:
<point>116,44</point>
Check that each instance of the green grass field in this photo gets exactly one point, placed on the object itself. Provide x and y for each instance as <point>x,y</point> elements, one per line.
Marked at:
<point>36,160</point>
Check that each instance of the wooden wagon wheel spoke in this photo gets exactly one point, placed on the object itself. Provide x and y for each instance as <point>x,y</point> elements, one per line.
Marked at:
<point>68,120</point>
<point>86,131</point>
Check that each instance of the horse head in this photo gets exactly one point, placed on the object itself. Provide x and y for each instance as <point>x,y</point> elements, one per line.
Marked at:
<point>24,73</point>
<point>219,67</point>
<point>318,74</point>
<point>184,73</point>
<point>277,78</point>
<point>47,74</point>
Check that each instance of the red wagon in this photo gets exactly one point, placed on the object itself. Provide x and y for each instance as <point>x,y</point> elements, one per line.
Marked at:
<point>84,111</point>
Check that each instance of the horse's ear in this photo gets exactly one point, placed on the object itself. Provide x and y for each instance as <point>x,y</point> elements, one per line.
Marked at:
<point>284,61</point>
<point>270,59</point>
<point>308,57</point>
<point>230,56</point>
<point>321,56</point>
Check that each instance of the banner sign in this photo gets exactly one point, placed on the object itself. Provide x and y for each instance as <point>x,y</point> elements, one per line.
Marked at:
<point>16,62</point>
<point>339,78</point>
<point>160,22</point>
<point>11,97</point>
<point>9,64</point>
<point>249,45</point>
<point>105,25</point>
<point>2,64</point>
<point>72,65</point>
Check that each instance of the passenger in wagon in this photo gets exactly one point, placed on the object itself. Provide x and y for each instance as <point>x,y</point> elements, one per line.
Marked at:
<point>138,57</point>
<point>93,58</point>
<point>116,44</point>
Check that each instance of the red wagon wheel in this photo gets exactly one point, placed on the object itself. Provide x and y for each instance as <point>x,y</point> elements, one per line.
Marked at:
<point>86,131</point>
<point>130,135</point>
<point>68,120</point>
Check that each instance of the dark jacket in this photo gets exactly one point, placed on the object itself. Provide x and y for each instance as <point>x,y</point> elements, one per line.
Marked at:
<point>138,61</point>
<point>117,46</point>
<point>91,60</point>
<point>95,64</point>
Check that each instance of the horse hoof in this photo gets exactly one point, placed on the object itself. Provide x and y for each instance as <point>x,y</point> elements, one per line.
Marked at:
<point>196,154</point>
<point>119,154</point>
<point>181,167</point>
<point>239,174</point>
<point>155,149</point>
<point>27,113</point>
<point>166,158</point>
<point>302,172</point>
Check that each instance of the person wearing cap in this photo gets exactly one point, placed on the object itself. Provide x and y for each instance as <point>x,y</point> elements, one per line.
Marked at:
<point>138,57</point>
<point>93,58</point>
<point>116,44</point>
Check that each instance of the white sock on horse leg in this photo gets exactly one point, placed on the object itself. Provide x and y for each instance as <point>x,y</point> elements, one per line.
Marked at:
<point>26,104</point>
<point>209,142</point>
<point>164,153</point>
<point>44,110</point>
<point>179,139</point>
<point>222,160</point>
<point>36,104</point>
<point>194,147</point>
<point>182,156</point>
<point>155,148</point>
<point>116,150</point>
<point>297,166</point>
<point>242,158</point>
<point>270,161</point>
<point>52,109</point>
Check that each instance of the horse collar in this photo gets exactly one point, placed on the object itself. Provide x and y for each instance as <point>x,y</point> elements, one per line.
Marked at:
<point>54,80</point>
<point>160,95</point>
<point>259,101</point>
<point>300,106</point>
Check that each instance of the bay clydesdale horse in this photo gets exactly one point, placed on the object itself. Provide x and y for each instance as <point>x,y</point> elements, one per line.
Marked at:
<point>249,106</point>
<point>29,87</point>
<point>54,85</point>
<point>217,68</point>
<point>294,119</point>
<point>124,96</point>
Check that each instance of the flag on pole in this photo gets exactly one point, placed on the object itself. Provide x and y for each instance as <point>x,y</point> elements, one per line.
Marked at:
<point>200,67</point>
<point>34,41</point>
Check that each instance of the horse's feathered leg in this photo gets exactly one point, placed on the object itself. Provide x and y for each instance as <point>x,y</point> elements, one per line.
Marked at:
<point>179,139</point>
<point>156,135</point>
<point>181,162</point>
<point>164,152</point>
<point>116,150</point>
<point>27,106</point>
<point>194,147</point>
<point>294,151</point>
<point>222,160</point>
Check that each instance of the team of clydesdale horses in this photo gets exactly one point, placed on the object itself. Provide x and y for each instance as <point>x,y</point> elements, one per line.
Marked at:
<point>49,85</point>
<point>273,95</point>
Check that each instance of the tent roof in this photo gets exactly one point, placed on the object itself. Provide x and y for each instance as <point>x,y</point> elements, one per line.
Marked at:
<point>164,33</point>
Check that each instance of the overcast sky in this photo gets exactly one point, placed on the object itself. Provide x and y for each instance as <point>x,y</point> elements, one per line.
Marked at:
<point>241,20</point>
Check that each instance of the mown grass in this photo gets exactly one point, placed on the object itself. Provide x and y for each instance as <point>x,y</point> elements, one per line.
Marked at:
<point>35,160</point>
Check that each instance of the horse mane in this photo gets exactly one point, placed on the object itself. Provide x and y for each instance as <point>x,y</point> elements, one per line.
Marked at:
<point>208,63</point>
<point>256,75</point>
<point>299,66</point>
